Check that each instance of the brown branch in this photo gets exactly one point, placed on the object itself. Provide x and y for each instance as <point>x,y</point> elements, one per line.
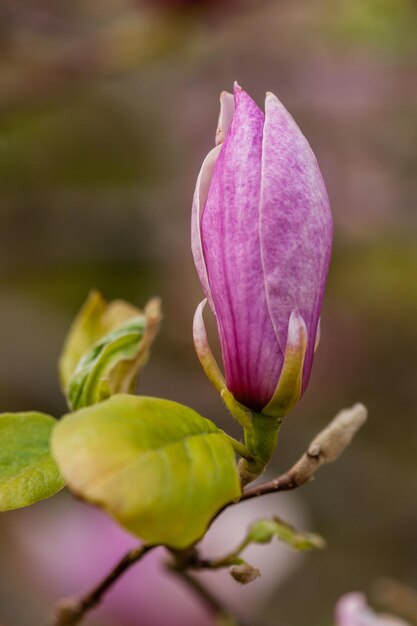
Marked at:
<point>71,611</point>
<point>326,447</point>
<point>212,603</point>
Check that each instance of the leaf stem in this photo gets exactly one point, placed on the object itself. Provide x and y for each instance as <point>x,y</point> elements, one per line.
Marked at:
<point>239,412</point>
<point>229,559</point>
<point>240,448</point>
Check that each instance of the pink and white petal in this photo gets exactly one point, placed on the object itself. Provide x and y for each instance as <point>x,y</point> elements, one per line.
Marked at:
<point>230,239</point>
<point>227,111</point>
<point>227,108</point>
<point>203,350</point>
<point>199,201</point>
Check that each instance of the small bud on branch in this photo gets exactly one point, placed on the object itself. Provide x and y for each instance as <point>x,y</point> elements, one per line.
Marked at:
<point>244,573</point>
<point>326,447</point>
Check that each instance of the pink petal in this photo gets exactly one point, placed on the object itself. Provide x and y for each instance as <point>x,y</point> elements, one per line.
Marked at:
<point>295,226</point>
<point>231,248</point>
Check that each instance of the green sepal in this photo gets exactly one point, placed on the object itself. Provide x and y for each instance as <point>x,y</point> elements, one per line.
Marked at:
<point>156,466</point>
<point>288,389</point>
<point>107,346</point>
<point>28,473</point>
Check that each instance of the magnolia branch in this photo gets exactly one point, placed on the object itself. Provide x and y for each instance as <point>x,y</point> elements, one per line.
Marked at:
<point>70,612</point>
<point>326,447</point>
<point>214,606</point>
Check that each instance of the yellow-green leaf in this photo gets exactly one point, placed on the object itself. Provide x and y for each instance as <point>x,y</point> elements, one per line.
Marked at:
<point>96,318</point>
<point>156,466</point>
<point>28,472</point>
<point>107,346</point>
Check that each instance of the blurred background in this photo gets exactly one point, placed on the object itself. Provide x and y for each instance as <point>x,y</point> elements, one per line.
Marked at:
<point>107,110</point>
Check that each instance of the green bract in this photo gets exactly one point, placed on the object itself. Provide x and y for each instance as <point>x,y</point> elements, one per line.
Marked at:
<point>107,346</point>
<point>156,466</point>
<point>28,472</point>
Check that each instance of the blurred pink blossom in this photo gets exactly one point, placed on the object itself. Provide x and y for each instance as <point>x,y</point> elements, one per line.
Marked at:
<point>353,610</point>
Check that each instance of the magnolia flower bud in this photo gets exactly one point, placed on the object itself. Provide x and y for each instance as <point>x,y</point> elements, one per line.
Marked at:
<point>261,240</point>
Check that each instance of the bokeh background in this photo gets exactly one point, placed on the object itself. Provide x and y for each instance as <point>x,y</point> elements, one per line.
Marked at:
<point>106,112</point>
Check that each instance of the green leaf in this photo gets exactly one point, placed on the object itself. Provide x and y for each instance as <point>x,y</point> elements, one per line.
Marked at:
<point>156,466</point>
<point>95,319</point>
<point>109,367</point>
<point>107,346</point>
<point>263,531</point>
<point>28,472</point>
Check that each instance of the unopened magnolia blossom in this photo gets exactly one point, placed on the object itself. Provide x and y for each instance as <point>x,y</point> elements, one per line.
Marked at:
<point>261,239</point>
<point>353,610</point>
